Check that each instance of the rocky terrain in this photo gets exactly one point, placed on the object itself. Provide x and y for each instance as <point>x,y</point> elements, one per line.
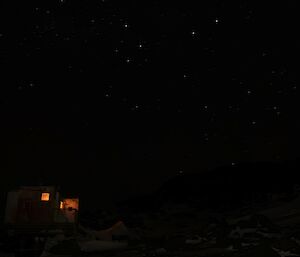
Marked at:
<point>185,231</point>
<point>189,216</point>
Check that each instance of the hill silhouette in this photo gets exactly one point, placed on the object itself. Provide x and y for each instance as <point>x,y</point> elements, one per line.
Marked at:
<point>245,182</point>
<point>225,187</point>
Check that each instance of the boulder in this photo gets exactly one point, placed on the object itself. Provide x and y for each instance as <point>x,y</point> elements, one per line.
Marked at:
<point>262,250</point>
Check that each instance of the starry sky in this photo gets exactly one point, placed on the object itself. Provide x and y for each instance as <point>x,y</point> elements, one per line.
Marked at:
<point>122,95</point>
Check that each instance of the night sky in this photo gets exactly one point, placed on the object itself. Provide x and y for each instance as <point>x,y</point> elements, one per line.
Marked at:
<point>121,95</point>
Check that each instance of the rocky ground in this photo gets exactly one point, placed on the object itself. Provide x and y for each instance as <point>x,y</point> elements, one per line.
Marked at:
<point>184,232</point>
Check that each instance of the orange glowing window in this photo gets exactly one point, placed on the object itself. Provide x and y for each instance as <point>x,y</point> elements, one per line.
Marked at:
<point>45,197</point>
<point>61,205</point>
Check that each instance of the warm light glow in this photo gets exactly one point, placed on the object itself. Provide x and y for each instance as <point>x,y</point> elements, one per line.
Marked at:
<point>45,197</point>
<point>61,205</point>
<point>71,203</point>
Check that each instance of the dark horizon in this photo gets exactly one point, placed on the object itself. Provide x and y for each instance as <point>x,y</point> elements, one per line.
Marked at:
<point>275,174</point>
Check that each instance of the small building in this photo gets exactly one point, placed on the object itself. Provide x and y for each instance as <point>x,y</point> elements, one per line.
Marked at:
<point>40,208</point>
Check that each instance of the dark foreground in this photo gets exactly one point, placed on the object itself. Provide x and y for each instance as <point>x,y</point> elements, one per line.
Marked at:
<point>264,231</point>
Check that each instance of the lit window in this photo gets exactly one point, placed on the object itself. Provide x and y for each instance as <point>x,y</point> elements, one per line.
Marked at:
<point>45,197</point>
<point>61,205</point>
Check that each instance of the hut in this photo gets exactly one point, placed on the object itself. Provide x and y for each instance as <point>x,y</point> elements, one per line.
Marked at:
<point>36,209</point>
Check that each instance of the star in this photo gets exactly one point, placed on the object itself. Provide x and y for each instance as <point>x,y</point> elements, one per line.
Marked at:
<point>136,107</point>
